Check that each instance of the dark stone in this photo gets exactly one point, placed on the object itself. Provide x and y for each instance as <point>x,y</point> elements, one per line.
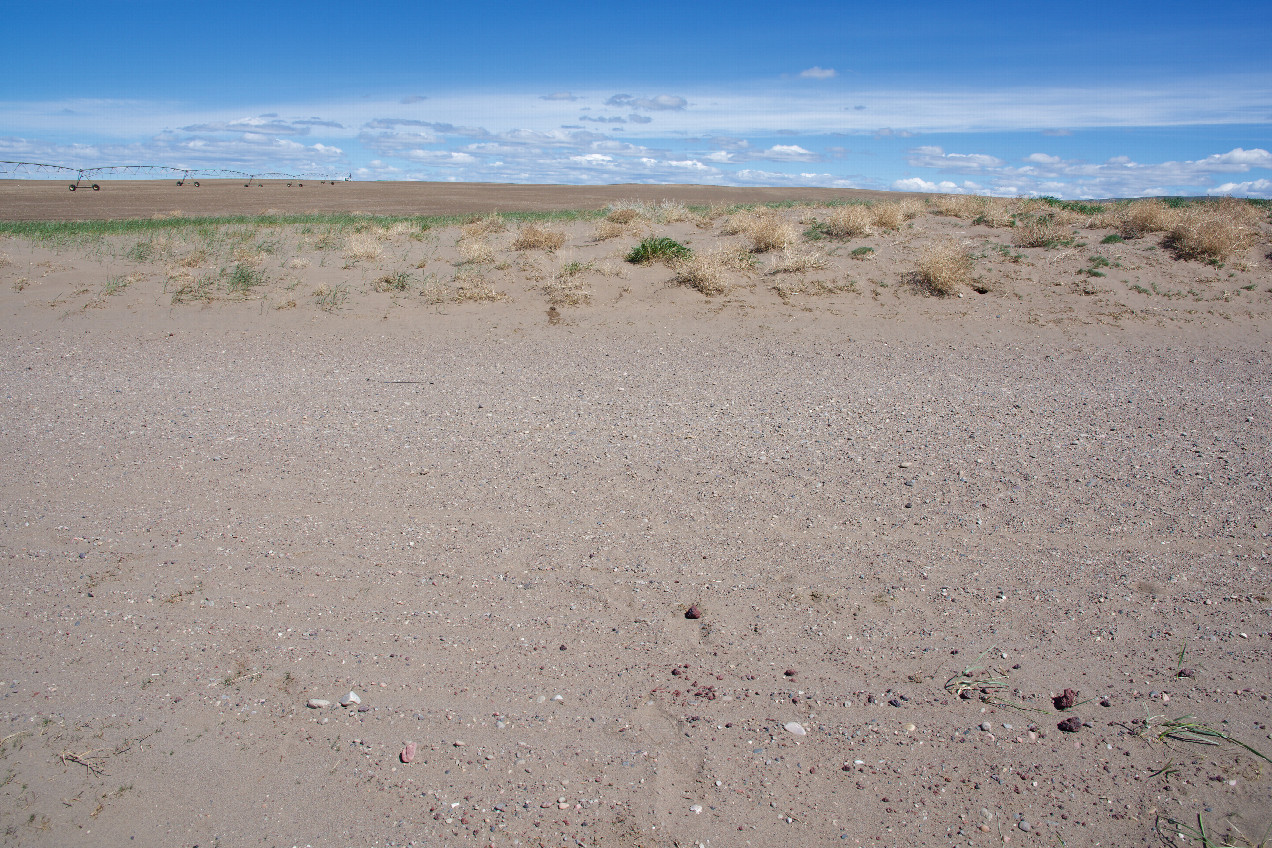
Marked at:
<point>693,612</point>
<point>1072,724</point>
<point>1065,700</point>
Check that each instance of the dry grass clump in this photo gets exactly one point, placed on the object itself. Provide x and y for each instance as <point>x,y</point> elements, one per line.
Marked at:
<point>810,288</point>
<point>976,208</point>
<point>893,214</point>
<point>471,287</point>
<point>397,281</point>
<point>193,259</point>
<point>1141,217</point>
<point>1041,230</point>
<point>532,236</point>
<point>795,262</point>
<point>622,214</point>
<point>363,247</point>
<point>479,228</point>
<point>567,291</point>
<point>5,261</point>
<point>943,267</point>
<point>475,251</point>
<point>1215,230</point>
<point>297,263</point>
<point>765,228</point>
<point>707,272</point>
<point>671,212</point>
<point>848,222</point>
<point>706,219</point>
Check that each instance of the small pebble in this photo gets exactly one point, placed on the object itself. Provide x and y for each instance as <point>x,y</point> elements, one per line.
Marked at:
<point>317,703</point>
<point>1072,724</point>
<point>693,612</point>
<point>909,728</point>
<point>350,699</point>
<point>1025,826</point>
<point>796,728</point>
<point>696,808</point>
<point>986,726</point>
<point>408,753</point>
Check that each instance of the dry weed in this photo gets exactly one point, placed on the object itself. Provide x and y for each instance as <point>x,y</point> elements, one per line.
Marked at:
<point>943,267</point>
<point>623,214</point>
<point>893,214</point>
<point>848,222</point>
<point>5,261</point>
<point>473,251</point>
<point>810,288</point>
<point>434,292</point>
<point>608,229</point>
<point>567,291</point>
<point>706,220</point>
<point>706,272</point>
<point>479,228</point>
<point>1141,217</point>
<point>471,287</point>
<point>1215,230</point>
<point>766,229</point>
<point>362,247</point>
<point>793,262</point>
<point>1041,230</point>
<point>298,262</point>
<point>532,236</point>
<point>671,212</point>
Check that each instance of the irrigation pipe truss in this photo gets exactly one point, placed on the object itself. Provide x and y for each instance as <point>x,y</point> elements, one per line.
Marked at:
<point>86,177</point>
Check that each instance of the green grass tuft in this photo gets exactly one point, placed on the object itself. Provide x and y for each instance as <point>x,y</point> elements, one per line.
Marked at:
<point>658,249</point>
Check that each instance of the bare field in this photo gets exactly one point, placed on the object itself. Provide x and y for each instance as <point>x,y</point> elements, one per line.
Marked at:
<point>853,520</point>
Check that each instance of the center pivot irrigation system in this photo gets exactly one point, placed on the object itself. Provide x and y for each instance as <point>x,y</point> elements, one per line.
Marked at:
<point>87,177</point>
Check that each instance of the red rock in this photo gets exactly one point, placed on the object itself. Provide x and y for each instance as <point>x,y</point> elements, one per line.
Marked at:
<point>408,753</point>
<point>1065,700</point>
<point>1072,724</point>
<point>693,612</point>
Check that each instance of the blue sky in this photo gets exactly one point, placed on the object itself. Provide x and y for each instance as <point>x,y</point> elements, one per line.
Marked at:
<point>1079,99</point>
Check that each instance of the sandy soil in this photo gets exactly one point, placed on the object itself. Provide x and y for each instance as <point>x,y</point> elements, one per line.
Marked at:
<point>490,521</point>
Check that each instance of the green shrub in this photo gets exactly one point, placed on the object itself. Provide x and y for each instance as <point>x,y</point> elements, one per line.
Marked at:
<point>658,249</point>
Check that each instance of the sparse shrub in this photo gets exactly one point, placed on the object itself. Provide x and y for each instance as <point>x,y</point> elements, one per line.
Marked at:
<point>474,251</point>
<point>567,291</point>
<point>1214,231</point>
<point>771,232</point>
<point>471,287</point>
<point>1039,231</point>
<point>243,278</point>
<point>398,281</point>
<point>433,291</point>
<point>623,215</point>
<point>705,272</point>
<point>363,247</point>
<point>142,251</point>
<point>791,262</point>
<point>660,249</point>
<point>810,288</point>
<point>1112,238</point>
<point>186,287</point>
<point>331,298</point>
<point>671,212</point>
<point>532,236</point>
<point>1141,217</point>
<point>893,214</point>
<point>862,252</point>
<point>943,267</point>
<point>478,228</point>
<point>115,285</point>
<point>848,222</point>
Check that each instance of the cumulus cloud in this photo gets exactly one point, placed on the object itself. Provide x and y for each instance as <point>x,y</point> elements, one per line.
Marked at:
<point>656,103</point>
<point>1249,188</point>
<point>787,153</point>
<point>818,73</point>
<point>1043,159</point>
<point>936,157</point>
<point>943,187</point>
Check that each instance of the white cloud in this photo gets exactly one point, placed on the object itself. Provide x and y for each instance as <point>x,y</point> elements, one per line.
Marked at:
<point>660,102</point>
<point>559,95</point>
<point>934,157</point>
<point>1043,159</point>
<point>943,187</point>
<point>786,153</point>
<point>818,73</point>
<point>1249,188</point>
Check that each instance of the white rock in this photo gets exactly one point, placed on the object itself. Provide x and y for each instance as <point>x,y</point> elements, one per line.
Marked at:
<point>350,699</point>
<point>317,704</point>
<point>796,728</point>
<point>696,808</point>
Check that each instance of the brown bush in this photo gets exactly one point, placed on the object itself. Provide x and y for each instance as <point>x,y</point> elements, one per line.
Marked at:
<point>534,236</point>
<point>1214,231</point>
<point>943,267</point>
<point>1039,230</point>
<point>848,222</point>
